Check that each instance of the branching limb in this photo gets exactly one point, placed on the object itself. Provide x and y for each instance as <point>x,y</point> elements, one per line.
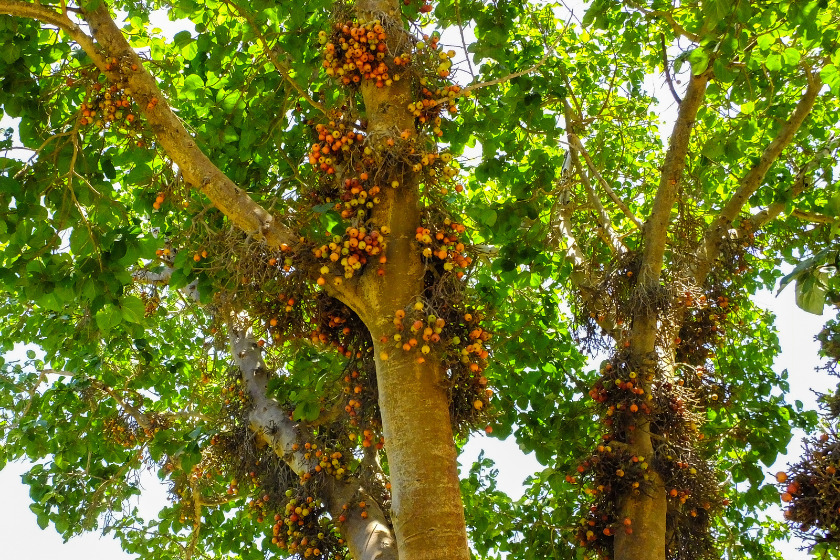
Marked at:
<point>465,92</point>
<point>368,539</point>
<point>813,217</point>
<point>656,226</point>
<point>148,277</point>
<point>217,501</point>
<point>750,182</point>
<point>668,17</point>
<point>195,166</point>
<point>802,181</point>
<point>41,378</point>
<point>606,230</point>
<point>463,41</point>
<point>47,15</point>
<point>572,119</point>
<point>197,505</point>
<point>141,419</point>
<point>561,229</point>
<point>667,72</point>
<point>575,142</point>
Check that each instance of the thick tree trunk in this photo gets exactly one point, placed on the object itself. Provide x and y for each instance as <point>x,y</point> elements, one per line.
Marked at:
<point>648,514</point>
<point>648,510</point>
<point>427,511</point>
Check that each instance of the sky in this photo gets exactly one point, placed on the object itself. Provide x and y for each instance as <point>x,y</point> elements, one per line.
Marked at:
<point>22,539</point>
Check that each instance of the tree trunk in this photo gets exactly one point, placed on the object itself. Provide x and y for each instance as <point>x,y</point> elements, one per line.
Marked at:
<point>427,511</point>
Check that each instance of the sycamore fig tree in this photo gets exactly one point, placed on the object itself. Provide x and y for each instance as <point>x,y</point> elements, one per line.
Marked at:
<point>290,256</point>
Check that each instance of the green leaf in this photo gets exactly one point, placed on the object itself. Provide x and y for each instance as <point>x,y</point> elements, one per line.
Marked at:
<point>132,309</point>
<point>831,77</point>
<point>699,60</point>
<point>791,56</point>
<point>179,279</point>
<point>108,317</point>
<point>811,293</point>
<point>192,84</point>
<point>80,241</point>
<point>773,62</point>
<point>10,53</point>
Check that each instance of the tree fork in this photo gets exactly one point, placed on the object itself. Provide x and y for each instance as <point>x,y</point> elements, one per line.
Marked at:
<point>648,510</point>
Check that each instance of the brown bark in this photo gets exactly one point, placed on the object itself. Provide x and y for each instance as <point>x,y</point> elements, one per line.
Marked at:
<point>648,513</point>
<point>427,510</point>
<point>749,183</point>
<point>656,226</point>
<point>648,510</point>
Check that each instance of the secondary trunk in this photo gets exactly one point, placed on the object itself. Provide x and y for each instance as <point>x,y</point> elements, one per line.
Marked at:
<point>367,538</point>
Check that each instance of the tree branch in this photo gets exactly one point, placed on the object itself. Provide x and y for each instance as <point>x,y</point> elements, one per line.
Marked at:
<point>41,378</point>
<point>667,73</point>
<point>141,419</point>
<point>606,230</point>
<point>575,142</point>
<point>561,229</point>
<point>750,182</point>
<point>656,226</point>
<point>813,217</point>
<point>132,411</point>
<point>44,14</point>
<point>669,19</point>
<point>196,168</point>
<point>368,539</point>
<point>148,277</point>
<point>800,183</point>
<point>465,91</point>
